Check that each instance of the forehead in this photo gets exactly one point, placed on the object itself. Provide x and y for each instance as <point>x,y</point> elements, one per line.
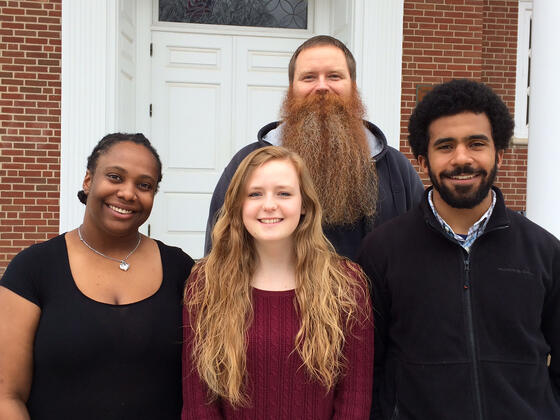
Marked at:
<point>460,126</point>
<point>321,56</point>
<point>277,171</point>
<point>128,154</point>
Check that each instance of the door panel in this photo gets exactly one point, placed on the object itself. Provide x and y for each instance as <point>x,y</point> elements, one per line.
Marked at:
<point>199,154</point>
<point>262,79</point>
<point>191,129</point>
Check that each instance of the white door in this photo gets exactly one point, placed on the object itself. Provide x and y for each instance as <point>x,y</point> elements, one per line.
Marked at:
<point>191,129</point>
<point>261,69</point>
<point>211,93</point>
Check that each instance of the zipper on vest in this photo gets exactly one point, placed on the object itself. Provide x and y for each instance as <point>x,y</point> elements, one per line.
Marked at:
<point>472,344</point>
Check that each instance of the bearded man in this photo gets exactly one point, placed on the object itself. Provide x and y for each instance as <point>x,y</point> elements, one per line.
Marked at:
<point>466,291</point>
<point>361,181</point>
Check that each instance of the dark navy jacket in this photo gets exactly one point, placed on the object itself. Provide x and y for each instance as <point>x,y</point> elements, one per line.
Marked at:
<point>399,185</point>
<point>465,336</point>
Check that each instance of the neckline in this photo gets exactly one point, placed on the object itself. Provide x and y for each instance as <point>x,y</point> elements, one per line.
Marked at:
<point>113,305</point>
<point>278,293</point>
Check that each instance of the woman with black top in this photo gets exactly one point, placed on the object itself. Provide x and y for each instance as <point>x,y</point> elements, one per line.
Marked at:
<point>90,320</point>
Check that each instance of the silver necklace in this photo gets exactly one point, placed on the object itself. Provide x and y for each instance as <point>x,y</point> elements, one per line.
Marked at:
<point>124,266</point>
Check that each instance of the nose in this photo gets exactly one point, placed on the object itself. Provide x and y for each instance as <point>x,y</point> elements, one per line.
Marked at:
<point>127,191</point>
<point>270,203</point>
<point>322,85</point>
<point>462,155</point>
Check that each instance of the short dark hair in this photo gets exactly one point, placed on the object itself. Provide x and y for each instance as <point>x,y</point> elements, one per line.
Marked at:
<point>452,98</point>
<point>109,141</point>
<point>318,41</point>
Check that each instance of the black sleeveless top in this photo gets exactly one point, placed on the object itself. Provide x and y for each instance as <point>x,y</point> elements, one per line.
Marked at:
<point>95,360</point>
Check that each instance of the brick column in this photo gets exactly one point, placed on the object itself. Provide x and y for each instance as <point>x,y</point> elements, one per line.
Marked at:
<point>30,54</point>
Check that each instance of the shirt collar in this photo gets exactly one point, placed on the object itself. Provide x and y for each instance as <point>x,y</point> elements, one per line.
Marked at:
<point>474,231</point>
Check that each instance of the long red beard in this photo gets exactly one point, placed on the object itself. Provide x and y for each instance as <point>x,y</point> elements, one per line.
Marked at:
<point>328,133</point>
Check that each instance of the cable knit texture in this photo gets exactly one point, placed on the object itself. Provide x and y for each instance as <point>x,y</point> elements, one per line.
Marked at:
<point>279,386</point>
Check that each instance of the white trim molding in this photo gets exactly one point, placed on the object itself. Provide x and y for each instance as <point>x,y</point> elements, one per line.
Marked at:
<point>522,88</point>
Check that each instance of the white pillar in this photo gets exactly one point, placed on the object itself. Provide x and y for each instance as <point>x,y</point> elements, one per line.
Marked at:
<point>88,94</point>
<point>543,183</point>
<point>377,47</point>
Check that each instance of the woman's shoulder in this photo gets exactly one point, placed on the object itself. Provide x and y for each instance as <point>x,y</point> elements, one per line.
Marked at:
<point>359,282</point>
<point>174,253</point>
<point>348,266</point>
<point>27,268</point>
<point>176,263</point>
<point>35,254</point>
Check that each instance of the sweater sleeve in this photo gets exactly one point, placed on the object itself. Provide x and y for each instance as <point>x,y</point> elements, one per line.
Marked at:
<point>195,391</point>
<point>353,393</point>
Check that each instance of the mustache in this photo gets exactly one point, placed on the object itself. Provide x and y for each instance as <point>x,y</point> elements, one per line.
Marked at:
<point>318,104</point>
<point>323,104</point>
<point>464,170</point>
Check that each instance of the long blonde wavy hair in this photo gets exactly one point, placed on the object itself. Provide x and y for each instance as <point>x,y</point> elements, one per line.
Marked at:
<point>218,295</point>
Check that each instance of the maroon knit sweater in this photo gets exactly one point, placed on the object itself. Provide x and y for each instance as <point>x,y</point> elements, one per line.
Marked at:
<point>279,387</point>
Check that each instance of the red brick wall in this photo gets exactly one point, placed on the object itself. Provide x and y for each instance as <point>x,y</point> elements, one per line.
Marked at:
<point>30,56</point>
<point>474,39</point>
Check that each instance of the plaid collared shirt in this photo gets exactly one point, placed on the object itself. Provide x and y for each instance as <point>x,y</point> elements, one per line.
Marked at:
<point>474,231</point>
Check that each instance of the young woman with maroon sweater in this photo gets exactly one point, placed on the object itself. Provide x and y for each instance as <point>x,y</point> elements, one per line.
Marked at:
<point>277,325</point>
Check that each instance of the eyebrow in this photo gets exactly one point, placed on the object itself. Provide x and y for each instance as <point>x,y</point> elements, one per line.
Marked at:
<point>278,187</point>
<point>121,169</point>
<point>471,137</point>
<point>314,71</point>
<point>115,168</point>
<point>306,72</point>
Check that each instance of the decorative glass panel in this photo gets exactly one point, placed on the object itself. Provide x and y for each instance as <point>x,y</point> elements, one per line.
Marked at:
<point>260,13</point>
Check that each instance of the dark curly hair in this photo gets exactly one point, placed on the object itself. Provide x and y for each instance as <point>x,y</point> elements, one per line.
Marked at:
<point>452,98</point>
<point>109,141</point>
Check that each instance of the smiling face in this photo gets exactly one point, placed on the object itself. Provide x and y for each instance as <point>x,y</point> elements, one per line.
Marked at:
<point>120,192</point>
<point>321,69</point>
<point>461,160</point>
<point>273,204</point>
